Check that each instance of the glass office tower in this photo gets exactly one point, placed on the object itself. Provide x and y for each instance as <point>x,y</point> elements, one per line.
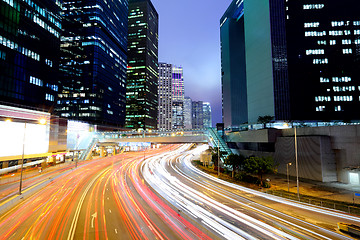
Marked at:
<point>233,66</point>
<point>301,59</point>
<point>94,61</point>
<point>324,56</point>
<point>29,53</point>
<point>142,73</point>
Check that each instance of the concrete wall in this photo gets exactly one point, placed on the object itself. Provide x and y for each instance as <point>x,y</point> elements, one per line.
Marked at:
<point>345,142</point>
<point>316,159</point>
<point>324,153</point>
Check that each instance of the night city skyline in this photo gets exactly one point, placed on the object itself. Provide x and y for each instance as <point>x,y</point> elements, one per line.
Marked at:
<point>189,36</point>
<point>191,120</point>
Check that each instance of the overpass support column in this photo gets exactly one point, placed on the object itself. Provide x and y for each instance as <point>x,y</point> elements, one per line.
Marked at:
<point>102,151</point>
<point>5,164</point>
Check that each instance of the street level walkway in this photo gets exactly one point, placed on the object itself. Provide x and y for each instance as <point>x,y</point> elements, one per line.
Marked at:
<point>333,191</point>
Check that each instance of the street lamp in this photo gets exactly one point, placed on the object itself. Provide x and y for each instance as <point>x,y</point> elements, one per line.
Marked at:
<point>42,122</point>
<point>218,155</point>
<point>287,173</point>
<point>296,161</point>
<point>297,166</point>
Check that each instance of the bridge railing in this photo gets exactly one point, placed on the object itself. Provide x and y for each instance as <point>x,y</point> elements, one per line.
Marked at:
<point>216,140</point>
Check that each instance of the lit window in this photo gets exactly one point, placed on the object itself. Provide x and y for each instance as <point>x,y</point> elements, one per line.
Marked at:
<point>347,51</point>
<point>315,52</point>
<point>337,23</point>
<point>324,80</point>
<point>320,61</point>
<point>332,42</point>
<point>313,6</point>
<point>337,108</point>
<point>346,41</point>
<point>311,24</point>
<point>320,108</point>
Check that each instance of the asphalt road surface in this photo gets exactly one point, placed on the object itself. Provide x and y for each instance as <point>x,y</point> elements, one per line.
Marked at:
<point>157,194</point>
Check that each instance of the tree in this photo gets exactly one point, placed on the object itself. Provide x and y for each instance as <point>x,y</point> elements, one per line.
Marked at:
<point>214,155</point>
<point>236,161</point>
<point>260,166</point>
<point>265,119</point>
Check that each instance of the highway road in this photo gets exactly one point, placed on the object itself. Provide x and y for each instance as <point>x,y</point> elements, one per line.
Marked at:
<point>101,199</point>
<point>235,212</point>
<point>159,194</point>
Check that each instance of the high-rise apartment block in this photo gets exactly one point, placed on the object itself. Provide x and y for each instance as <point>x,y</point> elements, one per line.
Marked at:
<point>29,49</point>
<point>187,113</point>
<point>294,60</point>
<point>201,115</point>
<point>165,97</point>
<point>170,97</point>
<point>197,115</point>
<point>94,61</point>
<point>207,119</point>
<point>142,73</point>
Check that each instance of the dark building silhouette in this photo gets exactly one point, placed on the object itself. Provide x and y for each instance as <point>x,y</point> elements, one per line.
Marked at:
<point>93,61</point>
<point>29,53</point>
<point>142,73</point>
<point>298,58</point>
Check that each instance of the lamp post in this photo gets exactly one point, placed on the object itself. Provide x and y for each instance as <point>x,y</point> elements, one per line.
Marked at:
<point>296,160</point>
<point>297,166</point>
<point>287,173</point>
<point>218,158</point>
<point>42,122</point>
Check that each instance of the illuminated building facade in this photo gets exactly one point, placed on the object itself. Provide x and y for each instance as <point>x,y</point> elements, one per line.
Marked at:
<point>142,73</point>
<point>170,97</point>
<point>324,56</point>
<point>233,66</point>
<point>165,97</point>
<point>300,60</point>
<point>29,50</point>
<point>207,115</point>
<point>197,115</point>
<point>187,113</point>
<point>93,61</point>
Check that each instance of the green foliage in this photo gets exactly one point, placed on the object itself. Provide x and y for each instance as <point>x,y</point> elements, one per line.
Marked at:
<point>241,176</point>
<point>214,155</point>
<point>236,161</point>
<point>260,166</point>
<point>265,119</point>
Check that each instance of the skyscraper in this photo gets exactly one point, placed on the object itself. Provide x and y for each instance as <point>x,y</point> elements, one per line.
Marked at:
<point>187,113</point>
<point>93,64</point>
<point>300,59</point>
<point>197,114</point>
<point>171,97</point>
<point>165,97</point>
<point>29,51</point>
<point>142,73</point>
<point>233,65</point>
<point>323,44</point>
<point>207,120</point>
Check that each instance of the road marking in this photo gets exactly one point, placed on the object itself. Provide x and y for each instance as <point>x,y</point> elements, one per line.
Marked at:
<point>92,219</point>
<point>77,212</point>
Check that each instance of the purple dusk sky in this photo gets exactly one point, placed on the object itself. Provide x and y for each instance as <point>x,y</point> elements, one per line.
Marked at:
<point>189,36</point>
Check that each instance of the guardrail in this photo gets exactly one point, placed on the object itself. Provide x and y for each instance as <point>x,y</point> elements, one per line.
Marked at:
<point>327,203</point>
<point>16,167</point>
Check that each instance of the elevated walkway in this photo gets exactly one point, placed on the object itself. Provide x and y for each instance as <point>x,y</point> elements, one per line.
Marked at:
<point>216,141</point>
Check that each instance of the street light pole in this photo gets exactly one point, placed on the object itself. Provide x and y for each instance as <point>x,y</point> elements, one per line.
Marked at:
<point>218,158</point>
<point>297,167</point>
<point>287,173</point>
<point>22,160</point>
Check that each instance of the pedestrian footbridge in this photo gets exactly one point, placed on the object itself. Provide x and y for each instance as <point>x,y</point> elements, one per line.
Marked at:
<point>208,135</point>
